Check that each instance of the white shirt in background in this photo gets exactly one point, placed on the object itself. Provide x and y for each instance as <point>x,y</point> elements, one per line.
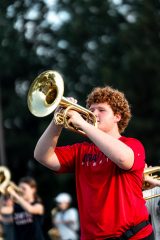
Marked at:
<point>68,231</point>
<point>154,209</point>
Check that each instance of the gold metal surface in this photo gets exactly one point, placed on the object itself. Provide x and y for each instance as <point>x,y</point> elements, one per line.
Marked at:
<point>46,94</point>
<point>5,177</point>
<point>6,183</point>
<point>153,172</point>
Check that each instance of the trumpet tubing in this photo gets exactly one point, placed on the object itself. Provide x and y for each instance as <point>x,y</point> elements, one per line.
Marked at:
<point>153,172</point>
<point>152,196</point>
<point>46,94</point>
<point>5,177</point>
<point>5,183</point>
<point>13,186</point>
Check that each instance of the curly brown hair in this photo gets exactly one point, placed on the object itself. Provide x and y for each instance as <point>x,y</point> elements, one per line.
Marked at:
<point>115,99</point>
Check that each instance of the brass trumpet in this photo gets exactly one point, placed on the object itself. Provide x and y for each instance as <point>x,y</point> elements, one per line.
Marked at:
<point>153,172</point>
<point>5,182</point>
<point>46,93</point>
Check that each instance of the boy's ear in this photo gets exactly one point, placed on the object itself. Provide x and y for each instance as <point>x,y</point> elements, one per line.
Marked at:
<point>118,117</point>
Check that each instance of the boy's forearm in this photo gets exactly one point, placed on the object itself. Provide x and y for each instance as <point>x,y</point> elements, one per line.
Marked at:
<point>47,142</point>
<point>116,150</point>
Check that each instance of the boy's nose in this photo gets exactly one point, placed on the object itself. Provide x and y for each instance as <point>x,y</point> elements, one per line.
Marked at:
<point>95,112</point>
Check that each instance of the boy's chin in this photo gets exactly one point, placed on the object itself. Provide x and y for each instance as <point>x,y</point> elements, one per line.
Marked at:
<point>99,126</point>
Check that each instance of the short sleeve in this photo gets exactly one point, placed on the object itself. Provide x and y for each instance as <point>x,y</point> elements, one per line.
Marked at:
<point>66,156</point>
<point>139,152</point>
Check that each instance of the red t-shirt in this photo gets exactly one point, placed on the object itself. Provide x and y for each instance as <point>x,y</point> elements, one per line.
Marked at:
<point>110,199</point>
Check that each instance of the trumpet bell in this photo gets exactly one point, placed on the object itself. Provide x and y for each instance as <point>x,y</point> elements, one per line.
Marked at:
<point>43,95</point>
<point>46,93</point>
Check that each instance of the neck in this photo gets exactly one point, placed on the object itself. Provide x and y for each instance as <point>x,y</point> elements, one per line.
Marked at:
<point>114,133</point>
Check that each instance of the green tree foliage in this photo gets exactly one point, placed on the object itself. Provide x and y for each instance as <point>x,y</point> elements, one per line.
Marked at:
<point>117,44</point>
<point>18,64</point>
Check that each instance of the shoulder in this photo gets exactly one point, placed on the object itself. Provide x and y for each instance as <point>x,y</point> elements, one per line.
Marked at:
<point>131,141</point>
<point>74,210</point>
<point>137,147</point>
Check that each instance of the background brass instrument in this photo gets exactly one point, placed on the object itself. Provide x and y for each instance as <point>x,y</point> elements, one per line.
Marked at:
<point>5,182</point>
<point>153,172</point>
<point>53,232</point>
<point>46,93</point>
<point>5,177</point>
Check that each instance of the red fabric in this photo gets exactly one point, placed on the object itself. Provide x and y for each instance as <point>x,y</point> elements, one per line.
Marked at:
<point>110,199</point>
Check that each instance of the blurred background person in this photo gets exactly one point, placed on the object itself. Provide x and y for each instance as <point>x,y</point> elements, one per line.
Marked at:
<point>153,203</point>
<point>53,232</point>
<point>1,225</point>
<point>7,217</point>
<point>28,211</point>
<point>1,230</point>
<point>65,218</point>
